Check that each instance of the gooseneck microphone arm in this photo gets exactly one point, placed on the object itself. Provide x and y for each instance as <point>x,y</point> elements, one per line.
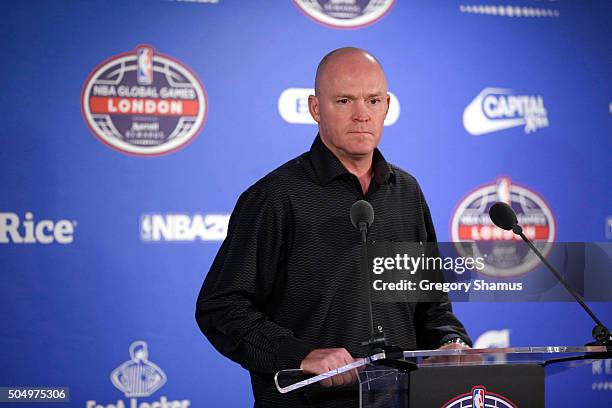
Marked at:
<point>504,217</point>
<point>558,276</point>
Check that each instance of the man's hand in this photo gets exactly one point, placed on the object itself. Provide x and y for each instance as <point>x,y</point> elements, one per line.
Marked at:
<point>453,360</point>
<point>320,361</point>
<point>453,346</point>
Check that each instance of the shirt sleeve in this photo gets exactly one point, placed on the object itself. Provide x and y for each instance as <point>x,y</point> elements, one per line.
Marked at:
<point>230,309</point>
<point>435,322</point>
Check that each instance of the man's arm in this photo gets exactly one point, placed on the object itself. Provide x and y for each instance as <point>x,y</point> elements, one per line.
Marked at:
<point>238,288</point>
<point>436,324</point>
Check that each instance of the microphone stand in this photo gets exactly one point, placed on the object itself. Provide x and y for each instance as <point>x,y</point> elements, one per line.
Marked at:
<point>600,332</point>
<point>394,355</point>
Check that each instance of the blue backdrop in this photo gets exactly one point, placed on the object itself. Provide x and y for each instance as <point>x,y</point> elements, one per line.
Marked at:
<point>105,236</point>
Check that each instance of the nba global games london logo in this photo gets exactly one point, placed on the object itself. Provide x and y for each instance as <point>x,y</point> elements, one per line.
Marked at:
<point>479,397</point>
<point>143,103</point>
<point>345,13</point>
<point>474,234</point>
<point>139,377</point>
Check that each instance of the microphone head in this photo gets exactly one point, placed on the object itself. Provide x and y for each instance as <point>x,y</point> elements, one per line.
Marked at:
<point>362,211</point>
<point>503,216</point>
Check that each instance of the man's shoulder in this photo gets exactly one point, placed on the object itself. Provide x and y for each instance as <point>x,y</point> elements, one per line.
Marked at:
<point>402,177</point>
<point>283,179</point>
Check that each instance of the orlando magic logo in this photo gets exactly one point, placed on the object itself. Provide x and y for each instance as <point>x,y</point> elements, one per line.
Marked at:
<point>138,377</point>
<point>479,397</point>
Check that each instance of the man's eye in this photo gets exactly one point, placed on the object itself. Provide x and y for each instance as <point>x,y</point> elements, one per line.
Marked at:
<point>343,101</point>
<point>375,101</point>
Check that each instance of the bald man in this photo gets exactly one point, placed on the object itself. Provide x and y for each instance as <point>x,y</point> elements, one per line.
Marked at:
<point>284,290</point>
<point>350,105</point>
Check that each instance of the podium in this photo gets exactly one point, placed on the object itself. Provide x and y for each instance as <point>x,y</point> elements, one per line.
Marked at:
<point>449,378</point>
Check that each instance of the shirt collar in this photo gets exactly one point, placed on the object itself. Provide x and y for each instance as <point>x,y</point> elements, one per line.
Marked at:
<point>328,167</point>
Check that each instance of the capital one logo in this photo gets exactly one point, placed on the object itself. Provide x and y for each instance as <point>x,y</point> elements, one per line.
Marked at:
<point>496,109</point>
<point>29,231</point>
<point>293,107</point>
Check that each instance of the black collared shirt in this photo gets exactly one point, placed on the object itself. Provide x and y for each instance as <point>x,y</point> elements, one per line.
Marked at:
<point>286,279</point>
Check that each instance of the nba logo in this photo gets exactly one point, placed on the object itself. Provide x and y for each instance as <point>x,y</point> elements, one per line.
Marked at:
<point>478,398</point>
<point>145,65</point>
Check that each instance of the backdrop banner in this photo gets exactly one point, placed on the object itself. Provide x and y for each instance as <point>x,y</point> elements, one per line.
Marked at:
<point>130,128</point>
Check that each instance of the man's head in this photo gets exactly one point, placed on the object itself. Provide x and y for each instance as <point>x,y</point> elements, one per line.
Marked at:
<point>350,102</point>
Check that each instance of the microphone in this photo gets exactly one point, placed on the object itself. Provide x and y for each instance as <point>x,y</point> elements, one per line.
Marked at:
<point>362,217</point>
<point>504,217</point>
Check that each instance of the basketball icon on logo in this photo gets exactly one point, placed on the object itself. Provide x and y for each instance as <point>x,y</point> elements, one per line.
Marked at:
<point>145,65</point>
<point>144,103</point>
<point>479,397</point>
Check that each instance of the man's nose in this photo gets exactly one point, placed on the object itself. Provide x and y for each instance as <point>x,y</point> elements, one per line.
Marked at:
<point>361,112</point>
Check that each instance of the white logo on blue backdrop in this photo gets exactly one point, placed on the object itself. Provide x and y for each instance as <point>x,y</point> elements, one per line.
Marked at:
<point>345,13</point>
<point>507,10</point>
<point>493,338</point>
<point>602,375</point>
<point>183,227</point>
<point>138,377</point>
<point>497,109</point>
<point>14,230</point>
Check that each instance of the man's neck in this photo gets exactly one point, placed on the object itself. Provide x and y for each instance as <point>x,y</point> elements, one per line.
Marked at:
<point>358,167</point>
<point>361,167</point>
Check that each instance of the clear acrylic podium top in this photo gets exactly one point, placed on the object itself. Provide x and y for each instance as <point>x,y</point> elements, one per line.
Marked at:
<point>554,358</point>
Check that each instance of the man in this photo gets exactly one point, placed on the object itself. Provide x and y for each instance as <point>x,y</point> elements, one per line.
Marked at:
<point>284,290</point>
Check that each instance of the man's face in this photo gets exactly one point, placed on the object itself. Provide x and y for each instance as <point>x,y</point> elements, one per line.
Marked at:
<point>351,105</point>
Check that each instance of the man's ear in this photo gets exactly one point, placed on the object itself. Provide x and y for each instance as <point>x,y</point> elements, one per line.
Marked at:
<point>313,107</point>
<point>388,103</point>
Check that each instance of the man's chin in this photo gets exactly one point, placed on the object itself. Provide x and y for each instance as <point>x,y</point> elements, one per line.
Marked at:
<point>357,145</point>
<point>365,143</point>
<point>362,149</point>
